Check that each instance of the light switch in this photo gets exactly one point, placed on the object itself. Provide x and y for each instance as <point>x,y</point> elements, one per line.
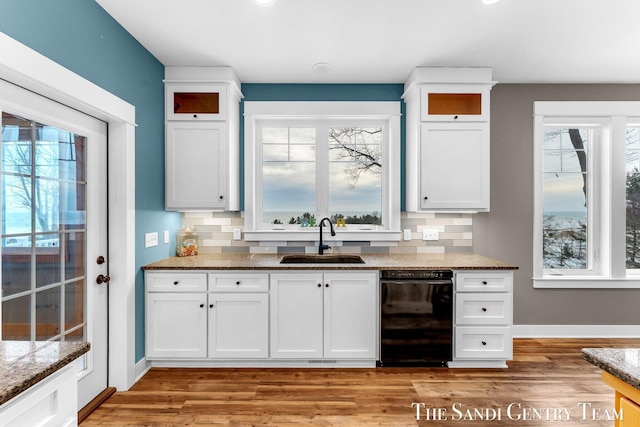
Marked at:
<point>150,239</point>
<point>166,236</point>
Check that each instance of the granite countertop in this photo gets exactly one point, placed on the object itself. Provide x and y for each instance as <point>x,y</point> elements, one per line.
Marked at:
<point>25,363</point>
<point>372,262</point>
<point>622,363</point>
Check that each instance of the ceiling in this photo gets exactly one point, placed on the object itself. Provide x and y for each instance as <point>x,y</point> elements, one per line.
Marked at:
<point>381,41</point>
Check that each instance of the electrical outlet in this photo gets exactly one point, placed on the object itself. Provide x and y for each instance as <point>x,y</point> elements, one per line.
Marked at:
<point>166,236</point>
<point>406,234</point>
<point>237,234</point>
<point>150,239</point>
<point>430,234</point>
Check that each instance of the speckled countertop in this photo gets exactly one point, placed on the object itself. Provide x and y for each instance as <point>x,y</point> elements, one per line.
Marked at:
<point>622,363</point>
<point>372,262</point>
<point>24,363</point>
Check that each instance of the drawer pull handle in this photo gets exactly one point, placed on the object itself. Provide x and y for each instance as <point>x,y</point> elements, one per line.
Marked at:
<point>484,308</point>
<point>201,305</point>
<point>176,282</point>
<point>484,282</point>
<point>484,343</point>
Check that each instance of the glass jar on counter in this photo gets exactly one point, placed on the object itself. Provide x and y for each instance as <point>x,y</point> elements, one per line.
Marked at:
<point>186,242</point>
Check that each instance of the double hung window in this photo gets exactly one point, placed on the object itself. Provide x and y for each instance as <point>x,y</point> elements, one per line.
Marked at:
<point>305,161</point>
<point>587,194</point>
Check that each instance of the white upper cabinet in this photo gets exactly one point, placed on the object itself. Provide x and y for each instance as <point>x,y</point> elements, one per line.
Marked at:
<point>448,142</point>
<point>202,138</point>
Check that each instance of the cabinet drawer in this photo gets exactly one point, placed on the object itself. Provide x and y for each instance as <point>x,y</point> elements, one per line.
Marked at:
<point>488,281</point>
<point>483,309</point>
<point>178,282</point>
<point>483,342</point>
<point>238,282</point>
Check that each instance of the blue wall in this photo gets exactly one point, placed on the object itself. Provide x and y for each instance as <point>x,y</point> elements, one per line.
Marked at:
<point>325,92</point>
<point>81,36</point>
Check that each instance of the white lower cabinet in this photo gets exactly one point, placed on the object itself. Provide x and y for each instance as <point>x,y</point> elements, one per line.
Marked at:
<point>323,315</point>
<point>238,325</point>
<point>483,316</point>
<point>176,315</point>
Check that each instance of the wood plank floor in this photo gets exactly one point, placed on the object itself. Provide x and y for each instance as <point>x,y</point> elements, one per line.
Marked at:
<point>545,374</point>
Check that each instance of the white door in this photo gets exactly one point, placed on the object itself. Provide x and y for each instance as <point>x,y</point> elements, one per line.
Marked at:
<point>296,316</point>
<point>239,325</point>
<point>350,325</point>
<point>54,229</point>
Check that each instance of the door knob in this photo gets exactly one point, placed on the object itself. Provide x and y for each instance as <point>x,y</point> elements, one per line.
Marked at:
<point>102,279</point>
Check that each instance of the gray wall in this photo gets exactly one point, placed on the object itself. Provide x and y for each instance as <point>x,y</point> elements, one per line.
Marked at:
<point>506,232</point>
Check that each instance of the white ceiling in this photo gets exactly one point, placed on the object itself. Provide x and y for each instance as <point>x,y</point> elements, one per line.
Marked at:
<point>381,41</point>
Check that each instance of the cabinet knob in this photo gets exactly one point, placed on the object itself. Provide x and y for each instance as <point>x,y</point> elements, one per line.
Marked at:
<point>238,282</point>
<point>210,305</point>
<point>201,305</point>
<point>484,343</point>
<point>426,198</point>
<point>319,285</point>
<point>195,116</point>
<point>484,309</point>
<point>176,282</point>
<point>455,117</point>
<point>326,285</point>
<point>484,282</point>
<point>221,197</point>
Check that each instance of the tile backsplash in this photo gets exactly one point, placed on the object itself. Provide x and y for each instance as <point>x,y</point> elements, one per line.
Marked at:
<point>215,235</point>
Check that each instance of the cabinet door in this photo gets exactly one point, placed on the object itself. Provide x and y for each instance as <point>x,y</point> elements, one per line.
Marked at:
<point>176,325</point>
<point>196,102</point>
<point>196,165</point>
<point>455,103</point>
<point>350,321</point>
<point>630,411</point>
<point>454,168</point>
<point>296,316</point>
<point>239,325</point>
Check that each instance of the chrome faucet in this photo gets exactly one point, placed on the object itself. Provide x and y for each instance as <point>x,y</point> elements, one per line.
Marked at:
<point>322,247</point>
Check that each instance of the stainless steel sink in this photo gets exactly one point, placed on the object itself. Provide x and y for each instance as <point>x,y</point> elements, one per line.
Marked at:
<point>322,259</point>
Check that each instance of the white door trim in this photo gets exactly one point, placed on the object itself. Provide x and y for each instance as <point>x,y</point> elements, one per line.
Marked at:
<point>25,67</point>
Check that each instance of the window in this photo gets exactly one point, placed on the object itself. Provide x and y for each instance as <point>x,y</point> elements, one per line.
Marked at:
<point>305,161</point>
<point>587,170</point>
<point>43,231</point>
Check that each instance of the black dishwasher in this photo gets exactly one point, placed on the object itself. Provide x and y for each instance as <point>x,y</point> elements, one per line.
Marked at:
<point>416,317</point>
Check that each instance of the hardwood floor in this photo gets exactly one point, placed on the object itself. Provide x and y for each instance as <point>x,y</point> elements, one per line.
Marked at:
<point>546,374</point>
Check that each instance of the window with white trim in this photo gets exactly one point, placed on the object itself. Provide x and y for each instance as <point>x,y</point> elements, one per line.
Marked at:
<point>305,161</point>
<point>586,194</point>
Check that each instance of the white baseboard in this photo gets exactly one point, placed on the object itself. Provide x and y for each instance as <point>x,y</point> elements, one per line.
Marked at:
<point>576,331</point>
<point>142,367</point>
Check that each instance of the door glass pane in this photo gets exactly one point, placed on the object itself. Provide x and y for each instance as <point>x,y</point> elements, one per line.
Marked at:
<point>16,318</point>
<point>565,195</point>
<point>73,304</point>
<point>48,313</point>
<point>355,175</point>
<point>43,222</point>
<point>633,198</point>
<point>288,176</point>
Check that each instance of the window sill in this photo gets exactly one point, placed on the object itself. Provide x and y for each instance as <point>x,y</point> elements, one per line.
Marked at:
<point>314,235</point>
<point>574,282</point>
